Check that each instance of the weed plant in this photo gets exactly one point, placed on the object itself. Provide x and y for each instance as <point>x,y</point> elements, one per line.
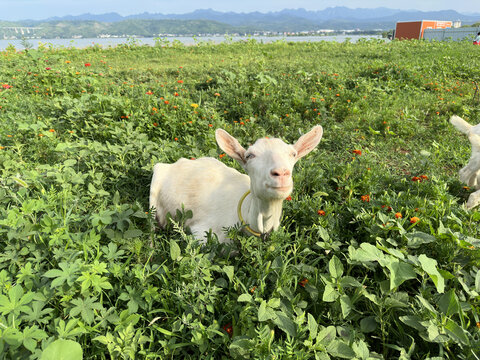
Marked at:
<point>376,257</point>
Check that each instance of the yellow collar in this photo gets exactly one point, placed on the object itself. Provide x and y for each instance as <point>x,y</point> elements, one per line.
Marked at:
<point>239,212</point>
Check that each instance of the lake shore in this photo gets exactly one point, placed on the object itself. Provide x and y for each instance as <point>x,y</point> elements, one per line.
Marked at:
<point>185,40</point>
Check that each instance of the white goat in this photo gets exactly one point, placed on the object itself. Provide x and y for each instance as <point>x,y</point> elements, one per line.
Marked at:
<point>470,174</point>
<point>220,196</point>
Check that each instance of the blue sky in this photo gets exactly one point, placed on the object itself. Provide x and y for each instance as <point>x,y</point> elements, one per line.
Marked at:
<point>41,9</point>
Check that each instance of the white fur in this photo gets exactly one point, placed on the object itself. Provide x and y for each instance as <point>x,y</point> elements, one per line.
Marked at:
<point>470,174</point>
<point>212,190</point>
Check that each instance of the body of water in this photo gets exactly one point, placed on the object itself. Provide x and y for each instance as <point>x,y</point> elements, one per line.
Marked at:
<point>186,40</point>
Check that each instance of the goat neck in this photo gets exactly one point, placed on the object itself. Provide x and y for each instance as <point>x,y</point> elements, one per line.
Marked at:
<point>262,215</point>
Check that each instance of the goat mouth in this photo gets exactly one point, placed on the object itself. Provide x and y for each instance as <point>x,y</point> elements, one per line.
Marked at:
<point>281,188</point>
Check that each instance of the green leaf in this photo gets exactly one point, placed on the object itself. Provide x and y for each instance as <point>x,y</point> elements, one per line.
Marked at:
<point>62,350</point>
<point>312,326</point>
<point>326,335</point>
<point>346,305</point>
<point>244,298</point>
<point>330,294</point>
<point>413,321</point>
<point>399,272</point>
<point>132,233</point>
<point>175,251</point>
<point>274,303</point>
<point>456,332</point>
<point>240,347</point>
<point>340,349</point>
<point>415,239</point>
<point>85,308</point>
<point>229,270</point>
<point>67,274</point>
<point>16,301</point>
<point>335,267</point>
<point>477,282</point>
<point>32,335</point>
<point>367,253</point>
<point>368,324</point>
<point>285,324</point>
<point>448,303</point>
<point>361,350</point>
<point>265,312</point>
<point>430,267</point>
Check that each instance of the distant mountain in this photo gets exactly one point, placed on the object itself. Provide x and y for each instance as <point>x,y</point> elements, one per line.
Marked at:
<point>108,17</point>
<point>300,19</point>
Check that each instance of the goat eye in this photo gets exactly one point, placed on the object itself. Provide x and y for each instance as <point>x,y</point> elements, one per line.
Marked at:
<point>250,156</point>
<point>293,154</point>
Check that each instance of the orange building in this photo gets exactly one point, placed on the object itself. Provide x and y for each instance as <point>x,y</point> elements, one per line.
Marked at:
<point>414,29</point>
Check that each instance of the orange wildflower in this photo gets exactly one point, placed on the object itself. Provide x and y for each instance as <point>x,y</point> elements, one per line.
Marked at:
<point>180,81</point>
<point>357,152</point>
<point>288,198</point>
<point>303,282</point>
<point>414,219</point>
<point>52,130</point>
<point>321,212</point>
<point>229,329</point>
<point>365,198</point>
<point>398,215</point>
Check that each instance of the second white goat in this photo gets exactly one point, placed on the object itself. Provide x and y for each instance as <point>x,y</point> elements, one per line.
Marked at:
<point>470,174</point>
<point>220,196</point>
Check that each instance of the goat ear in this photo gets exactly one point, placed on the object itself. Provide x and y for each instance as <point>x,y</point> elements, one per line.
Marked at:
<point>308,141</point>
<point>230,145</point>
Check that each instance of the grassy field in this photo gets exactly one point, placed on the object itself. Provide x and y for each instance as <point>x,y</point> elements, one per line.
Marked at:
<point>375,259</point>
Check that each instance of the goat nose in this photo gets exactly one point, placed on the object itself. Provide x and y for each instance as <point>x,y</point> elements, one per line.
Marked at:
<point>279,172</point>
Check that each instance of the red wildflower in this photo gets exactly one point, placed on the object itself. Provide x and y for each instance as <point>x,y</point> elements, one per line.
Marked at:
<point>424,177</point>
<point>6,86</point>
<point>229,329</point>
<point>48,68</point>
<point>303,282</point>
<point>321,213</point>
<point>357,152</point>
<point>88,64</point>
<point>416,178</point>
<point>365,198</point>
<point>149,93</point>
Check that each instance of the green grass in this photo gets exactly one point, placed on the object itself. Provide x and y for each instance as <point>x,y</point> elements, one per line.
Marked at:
<point>345,276</point>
